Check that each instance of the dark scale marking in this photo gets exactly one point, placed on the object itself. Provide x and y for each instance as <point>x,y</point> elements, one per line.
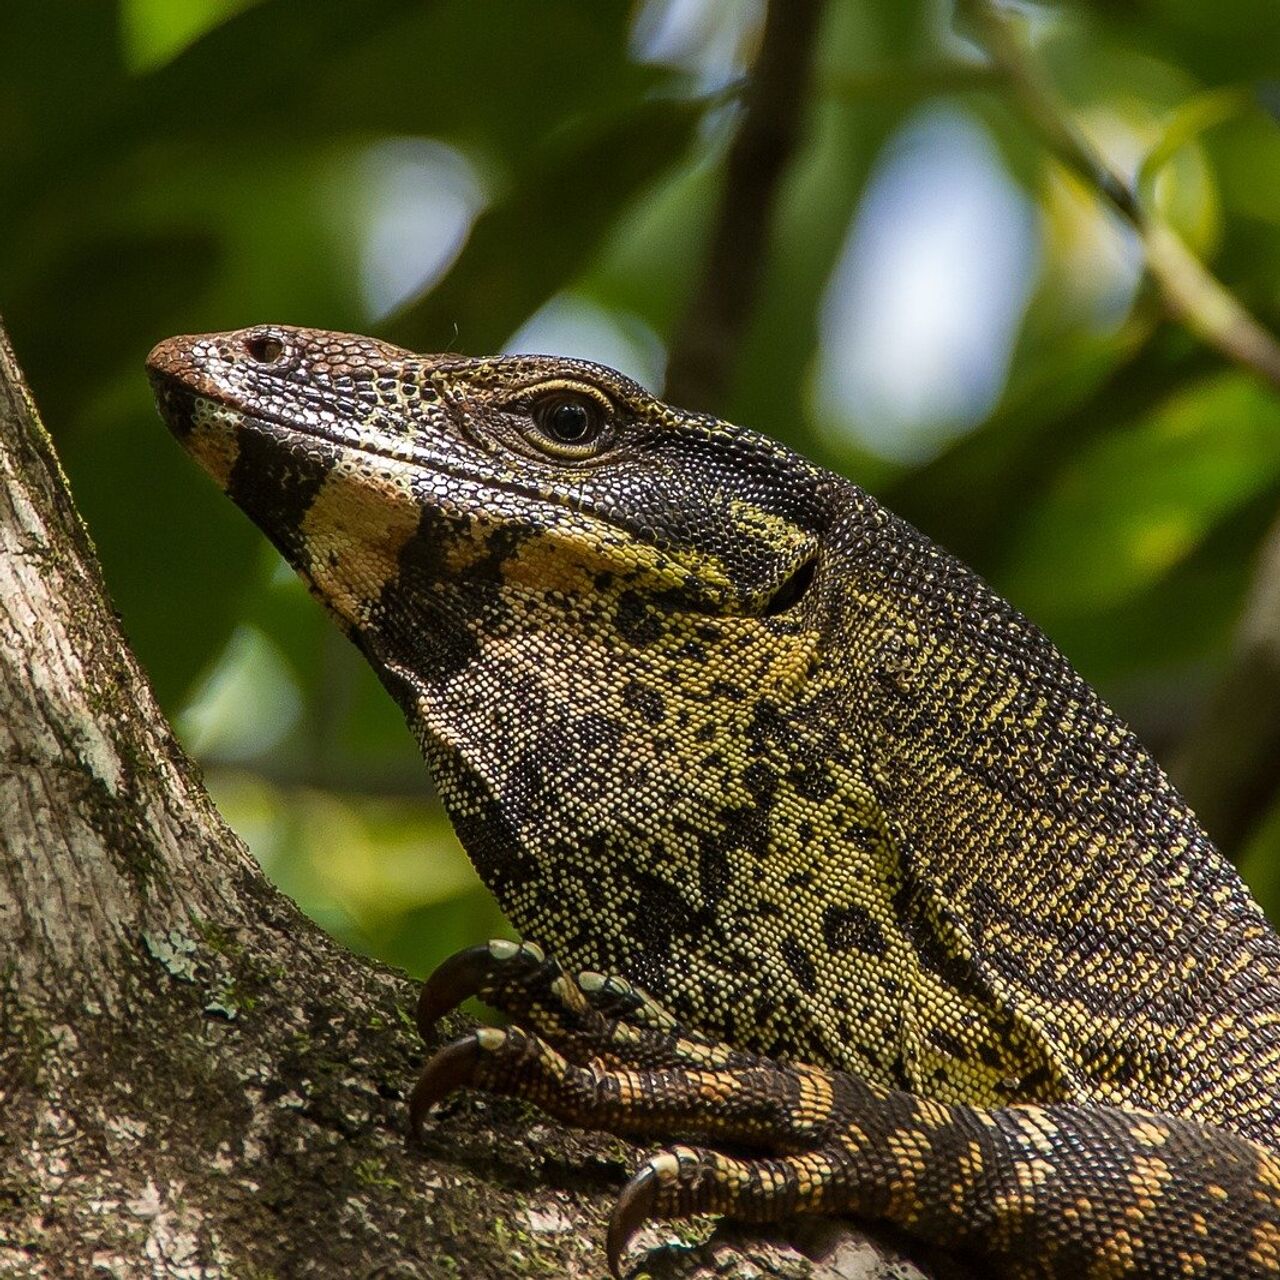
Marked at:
<point>662,916</point>
<point>530,784</point>
<point>483,827</point>
<point>637,623</point>
<point>988,1056</point>
<point>765,1008</point>
<point>500,544</point>
<point>647,703</point>
<point>799,963</point>
<point>724,691</point>
<point>435,654</point>
<point>176,404</point>
<point>769,727</point>
<point>419,612</point>
<point>853,928</point>
<point>811,782</point>
<point>948,1043</point>
<point>862,837</point>
<point>745,827</point>
<point>762,781</point>
<point>898,1075</point>
<point>598,734</point>
<point>276,487</point>
<point>715,874</point>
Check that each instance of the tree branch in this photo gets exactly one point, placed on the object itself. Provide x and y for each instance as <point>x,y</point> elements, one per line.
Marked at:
<point>1190,291</point>
<point>706,345</point>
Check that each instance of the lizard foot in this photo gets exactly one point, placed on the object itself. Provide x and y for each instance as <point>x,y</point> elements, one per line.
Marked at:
<point>684,1181</point>
<point>719,1094</point>
<point>761,1105</point>
<point>587,1017</point>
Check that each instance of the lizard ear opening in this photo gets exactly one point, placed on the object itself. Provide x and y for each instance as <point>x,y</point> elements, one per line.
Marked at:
<point>792,590</point>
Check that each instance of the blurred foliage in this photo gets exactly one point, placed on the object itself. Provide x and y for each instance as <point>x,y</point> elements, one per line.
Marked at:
<point>449,173</point>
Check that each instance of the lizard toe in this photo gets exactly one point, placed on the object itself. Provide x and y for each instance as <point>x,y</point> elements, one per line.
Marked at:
<point>593,1017</point>
<point>448,1069</point>
<point>635,1206</point>
<point>486,970</point>
<point>683,1182</point>
<point>614,997</point>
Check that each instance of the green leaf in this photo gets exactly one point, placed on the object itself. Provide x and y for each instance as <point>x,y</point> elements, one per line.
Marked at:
<point>154,31</point>
<point>1135,504</point>
<point>1197,115</point>
<point>385,875</point>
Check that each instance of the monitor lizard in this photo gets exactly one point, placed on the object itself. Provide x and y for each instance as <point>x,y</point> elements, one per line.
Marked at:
<point>841,870</point>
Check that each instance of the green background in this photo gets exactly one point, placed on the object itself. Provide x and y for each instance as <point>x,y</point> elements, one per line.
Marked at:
<point>946,315</point>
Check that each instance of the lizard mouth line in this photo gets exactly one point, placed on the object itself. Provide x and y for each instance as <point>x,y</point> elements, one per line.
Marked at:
<point>381,448</point>
<point>374,444</point>
<point>384,449</point>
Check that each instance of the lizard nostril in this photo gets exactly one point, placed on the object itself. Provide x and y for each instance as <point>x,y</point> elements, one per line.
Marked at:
<point>265,348</point>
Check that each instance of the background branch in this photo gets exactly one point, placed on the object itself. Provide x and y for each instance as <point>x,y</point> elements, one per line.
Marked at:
<point>705,347</point>
<point>1191,292</point>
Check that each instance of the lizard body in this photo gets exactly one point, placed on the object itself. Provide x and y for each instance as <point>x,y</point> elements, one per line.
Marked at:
<point>709,718</point>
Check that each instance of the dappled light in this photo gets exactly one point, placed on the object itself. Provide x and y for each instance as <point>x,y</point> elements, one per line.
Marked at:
<point>575,326</point>
<point>919,320</point>
<point>1010,294</point>
<point>422,199</point>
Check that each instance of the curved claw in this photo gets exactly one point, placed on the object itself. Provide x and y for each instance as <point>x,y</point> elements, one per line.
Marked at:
<point>635,1207</point>
<point>450,983</point>
<point>447,1070</point>
<point>467,973</point>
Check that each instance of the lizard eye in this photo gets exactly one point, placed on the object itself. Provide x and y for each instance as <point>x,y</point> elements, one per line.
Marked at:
<point>569,421</point>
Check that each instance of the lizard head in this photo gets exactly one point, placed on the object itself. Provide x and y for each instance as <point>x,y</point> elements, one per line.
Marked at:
<point>542,474</point>
<point>593,607</point>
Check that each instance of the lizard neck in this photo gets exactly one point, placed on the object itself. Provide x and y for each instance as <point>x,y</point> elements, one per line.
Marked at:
<point>905,864</point>
<point>1051,874</point>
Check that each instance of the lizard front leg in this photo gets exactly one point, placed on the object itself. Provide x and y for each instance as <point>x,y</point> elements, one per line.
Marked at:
<point>1032,1190</point>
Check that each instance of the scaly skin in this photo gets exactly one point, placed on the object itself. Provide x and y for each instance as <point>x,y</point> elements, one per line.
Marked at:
<point>708,718</point>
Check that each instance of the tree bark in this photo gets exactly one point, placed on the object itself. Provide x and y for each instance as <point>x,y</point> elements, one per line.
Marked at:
<point>195,1081</point>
